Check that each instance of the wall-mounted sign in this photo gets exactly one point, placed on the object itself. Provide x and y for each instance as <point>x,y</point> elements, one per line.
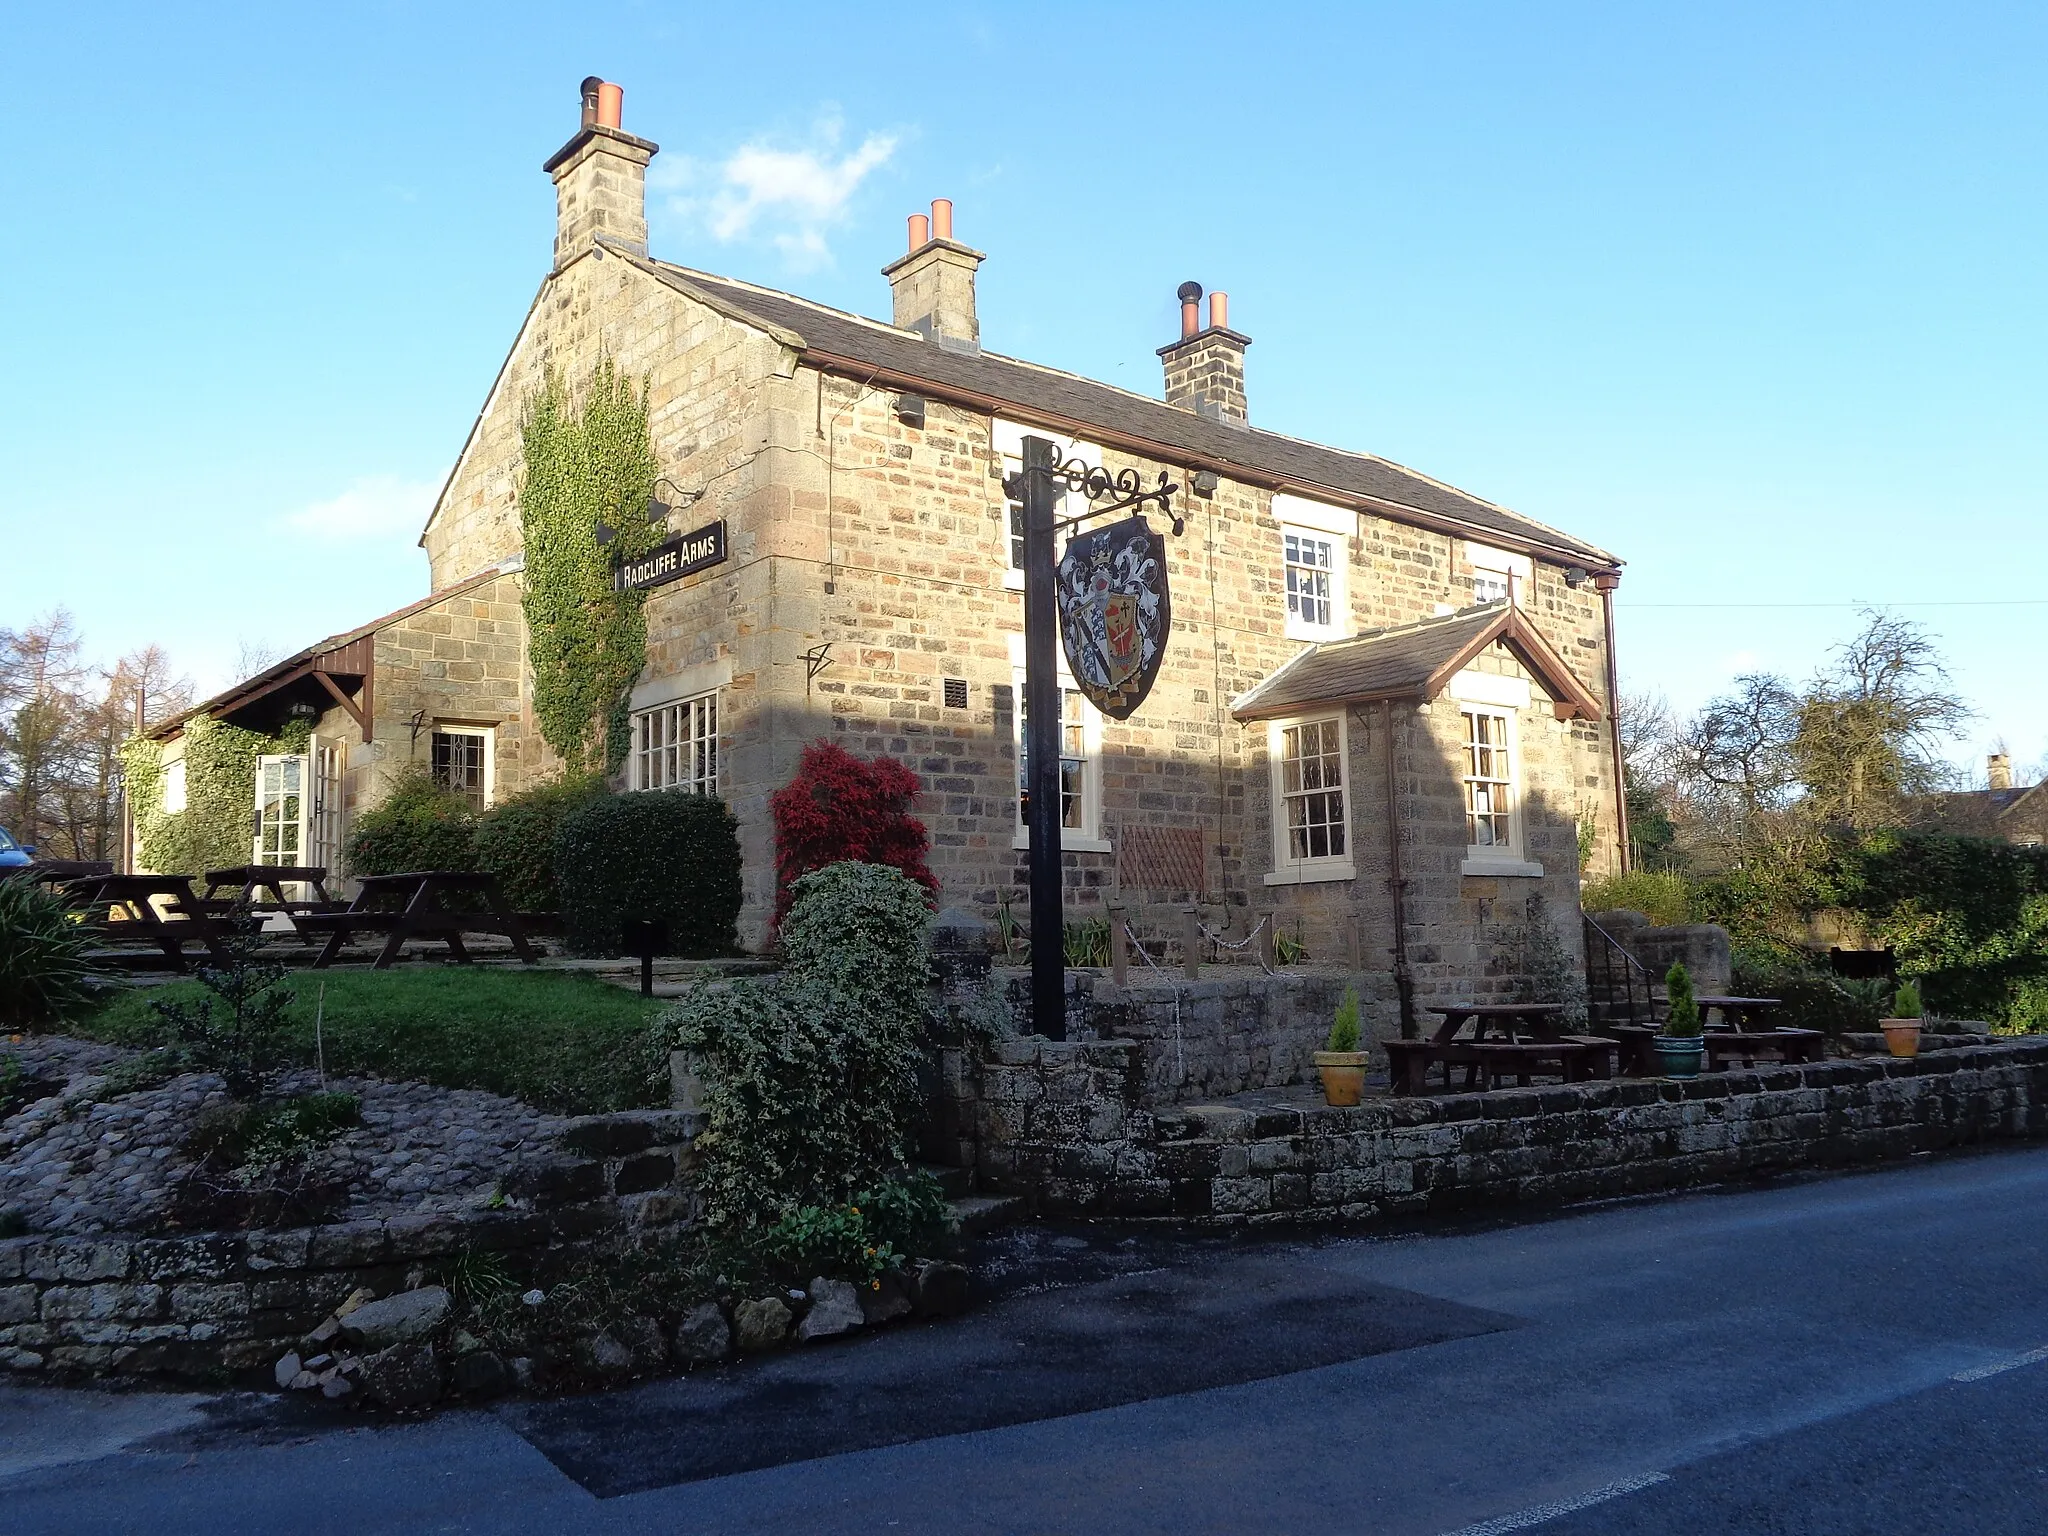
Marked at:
<point>672,561</point>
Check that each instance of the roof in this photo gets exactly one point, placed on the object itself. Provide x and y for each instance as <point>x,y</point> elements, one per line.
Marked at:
<point>838,341</point>
<point>1414,662</point>
<point>335,650</point>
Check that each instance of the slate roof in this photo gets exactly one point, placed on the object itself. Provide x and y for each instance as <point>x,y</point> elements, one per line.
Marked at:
<point>1412,662</point>
<point>845,342</point>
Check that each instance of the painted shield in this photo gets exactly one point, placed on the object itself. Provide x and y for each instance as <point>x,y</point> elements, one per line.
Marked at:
<point>1115,613</point>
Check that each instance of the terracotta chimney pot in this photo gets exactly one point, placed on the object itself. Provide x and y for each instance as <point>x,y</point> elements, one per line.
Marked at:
<point>920,230</point>
<point>611,104</point>
<point>942,218</point>
<point>1219,311</point>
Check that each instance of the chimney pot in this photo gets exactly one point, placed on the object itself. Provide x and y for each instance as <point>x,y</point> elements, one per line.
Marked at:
<point>589,90</point>
<point>1190,296</point>
<point>920,230</point>
<point>611,104</point>
<point>942,218</point>
<point>1998,770</point>
<point>1219,311</point>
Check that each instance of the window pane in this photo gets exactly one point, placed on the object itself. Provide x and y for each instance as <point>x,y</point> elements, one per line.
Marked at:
<point>1311,787</point>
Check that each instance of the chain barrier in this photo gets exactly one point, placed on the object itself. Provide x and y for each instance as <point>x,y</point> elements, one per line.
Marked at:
<point>1180,1064</point>
<point>1222,943</point>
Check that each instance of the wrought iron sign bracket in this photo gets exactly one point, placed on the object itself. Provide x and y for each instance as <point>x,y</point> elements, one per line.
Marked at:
<point>1127,486</point>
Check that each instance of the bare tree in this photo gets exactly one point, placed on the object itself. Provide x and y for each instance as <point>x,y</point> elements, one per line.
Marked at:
<point>1871,726</point>
<point>40,673</point>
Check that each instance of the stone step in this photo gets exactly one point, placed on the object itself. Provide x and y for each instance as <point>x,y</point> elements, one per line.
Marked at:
<point>954,1183</point>
<point>985,1213</point>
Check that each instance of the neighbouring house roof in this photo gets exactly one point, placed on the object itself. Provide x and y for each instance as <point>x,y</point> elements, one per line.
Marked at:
<point>337,667</point>
<point>1414,662</point>
<point>852,344</point>
<point>1980,812</point>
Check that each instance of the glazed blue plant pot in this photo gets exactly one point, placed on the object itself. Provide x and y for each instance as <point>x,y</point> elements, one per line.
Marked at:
<point>1679,1055</point>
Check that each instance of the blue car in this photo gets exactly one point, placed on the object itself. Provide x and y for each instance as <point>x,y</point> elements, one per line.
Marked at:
<point>12,854</point>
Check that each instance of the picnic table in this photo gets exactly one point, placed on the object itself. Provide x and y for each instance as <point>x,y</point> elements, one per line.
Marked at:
<point>131,902</point>
<point>415,906</point>
<point>248,880</point>
<point>1506,1040</point>
<point>1742,1036</point>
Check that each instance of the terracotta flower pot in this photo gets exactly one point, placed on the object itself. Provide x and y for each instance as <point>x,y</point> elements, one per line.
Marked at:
<point>1902,1035</point>
<point>1343,1075</point>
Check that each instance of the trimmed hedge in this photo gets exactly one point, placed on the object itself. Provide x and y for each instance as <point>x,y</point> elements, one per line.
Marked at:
<point>419,825</point>
<point>650,854</point>
<point>515,840</point>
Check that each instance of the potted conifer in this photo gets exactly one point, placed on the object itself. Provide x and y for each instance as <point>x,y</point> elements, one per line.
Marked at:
<point>1679,1048</point>
<point>1342,1065</point>
<point>1902,1031</point>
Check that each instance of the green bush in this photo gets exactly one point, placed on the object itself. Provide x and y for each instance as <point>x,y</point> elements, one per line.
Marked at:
<point>45,979</point>
<point>1681,1012</point>
<point>1906,1002</point>
<point>419,825</point>
<point>235,1025</point>
<point>1344,1029</point>
<point>811,1078</point>
<point>1664,898</point>
<point>515,839</point>
<point>652,854</point>
<point>1808,996</point>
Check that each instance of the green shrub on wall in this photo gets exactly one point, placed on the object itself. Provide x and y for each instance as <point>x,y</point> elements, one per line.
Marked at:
<point>419,825</point>
<point>584,465</point>
<point>811,1077</point>
<point>651,854</point>
<point>515,840</point>
<point>213,831</point>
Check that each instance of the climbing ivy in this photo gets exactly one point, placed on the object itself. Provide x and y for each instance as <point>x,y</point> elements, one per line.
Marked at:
<point>212,832</point>
<point>584,465</point>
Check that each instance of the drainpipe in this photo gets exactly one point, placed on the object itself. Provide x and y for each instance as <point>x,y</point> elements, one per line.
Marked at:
<point>1397,884</point>
<point>1606,582</point>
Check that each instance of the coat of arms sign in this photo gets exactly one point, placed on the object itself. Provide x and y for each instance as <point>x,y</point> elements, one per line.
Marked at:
<point>1115,613</point>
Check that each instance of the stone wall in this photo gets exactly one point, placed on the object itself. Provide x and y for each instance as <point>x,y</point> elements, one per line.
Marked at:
<point>1064,1124</point>
<point>1703,947</point>
<point>208,1304</point>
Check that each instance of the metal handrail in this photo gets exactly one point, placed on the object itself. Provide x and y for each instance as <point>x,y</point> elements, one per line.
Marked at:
<point>1632,972</point>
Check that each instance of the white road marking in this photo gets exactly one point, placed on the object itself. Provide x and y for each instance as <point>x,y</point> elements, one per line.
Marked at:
<point>1978,1373</point>
<point>1537,1514</point>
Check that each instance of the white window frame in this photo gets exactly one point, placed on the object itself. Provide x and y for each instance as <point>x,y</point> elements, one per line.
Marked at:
<point>174,787</point>
<point>1287,869</point>
<point>1007,438</point>
<point>1087,837</point>
<point>1495,572</point>
<point>1504,698</point>
<point>1334,526</point>
<point>685,731</point>
<point>1298,627</point>
<point>488,734</point>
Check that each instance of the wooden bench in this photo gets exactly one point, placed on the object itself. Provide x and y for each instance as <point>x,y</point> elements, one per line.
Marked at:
<point>1502,1059</point>
<point>421,914</point>
<point>1725,1046</point>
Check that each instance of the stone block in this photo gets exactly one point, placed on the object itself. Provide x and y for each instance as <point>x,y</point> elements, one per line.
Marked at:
<point>606,1135</point>
<point>423,1235</point>
<point>198,1302</point>
<point>17,1304</point>
<point>278,1250</point>
<point>347,1244</point>
<point>651,1171</point>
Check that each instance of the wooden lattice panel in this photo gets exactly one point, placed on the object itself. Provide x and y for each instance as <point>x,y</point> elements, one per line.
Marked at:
<point>1169,861</point>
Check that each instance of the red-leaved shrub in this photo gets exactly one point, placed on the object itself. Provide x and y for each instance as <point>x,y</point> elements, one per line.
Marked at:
<point>839,807</point>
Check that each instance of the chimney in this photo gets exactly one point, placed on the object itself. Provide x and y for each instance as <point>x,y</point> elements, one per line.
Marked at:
<point>600,178</point>
<point>933,284</point>
<point>1998,770</point>
<point>1205,368</point>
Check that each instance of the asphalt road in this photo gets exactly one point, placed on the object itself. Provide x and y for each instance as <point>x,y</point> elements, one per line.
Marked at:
<point>1866,1353</point>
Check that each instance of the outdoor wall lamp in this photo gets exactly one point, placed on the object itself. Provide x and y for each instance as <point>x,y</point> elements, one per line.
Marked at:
<point>1575,576</point>
<point>302,711</point>
<point>658,510</point>
<point>1204,483</point>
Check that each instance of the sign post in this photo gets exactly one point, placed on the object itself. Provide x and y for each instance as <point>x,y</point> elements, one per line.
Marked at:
<point>1042,745</point>
<point>1113,620</point>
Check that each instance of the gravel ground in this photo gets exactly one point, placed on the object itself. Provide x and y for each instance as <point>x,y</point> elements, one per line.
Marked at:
<point>112,1166</point>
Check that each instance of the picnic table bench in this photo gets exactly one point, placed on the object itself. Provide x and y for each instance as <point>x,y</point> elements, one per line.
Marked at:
<point>126,907</point>
<point>1507,1040</point>
<point>413,906</point>
<point>250,880</point>
<point>1738,1037</point>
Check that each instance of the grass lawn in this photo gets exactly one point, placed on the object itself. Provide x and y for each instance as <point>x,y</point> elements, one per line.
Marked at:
<point>558,1040</point>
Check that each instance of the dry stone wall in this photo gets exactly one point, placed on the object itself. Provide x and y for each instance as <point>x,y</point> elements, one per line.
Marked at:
<point>208,1304</point>
<point>1064,1124</point>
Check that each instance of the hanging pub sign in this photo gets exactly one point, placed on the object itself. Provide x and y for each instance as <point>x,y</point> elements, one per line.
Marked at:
<point>672,561</point>
<point>1115,613</point>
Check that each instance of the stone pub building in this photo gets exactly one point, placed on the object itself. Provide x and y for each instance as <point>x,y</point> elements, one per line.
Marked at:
<point>1386,713</point>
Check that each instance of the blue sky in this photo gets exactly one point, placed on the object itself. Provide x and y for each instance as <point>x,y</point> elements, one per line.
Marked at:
<point>1749,294</point>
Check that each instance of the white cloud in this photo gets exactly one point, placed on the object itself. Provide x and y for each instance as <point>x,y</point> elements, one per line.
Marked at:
<point>789,196</point>
<point>374,507</point>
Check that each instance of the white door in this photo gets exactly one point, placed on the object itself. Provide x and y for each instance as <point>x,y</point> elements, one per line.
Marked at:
<point>283,809</point>
<point>323,821</point>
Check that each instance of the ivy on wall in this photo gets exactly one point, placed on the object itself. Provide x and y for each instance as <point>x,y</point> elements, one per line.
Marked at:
<point>214,829</point>
<point>585,464</point>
